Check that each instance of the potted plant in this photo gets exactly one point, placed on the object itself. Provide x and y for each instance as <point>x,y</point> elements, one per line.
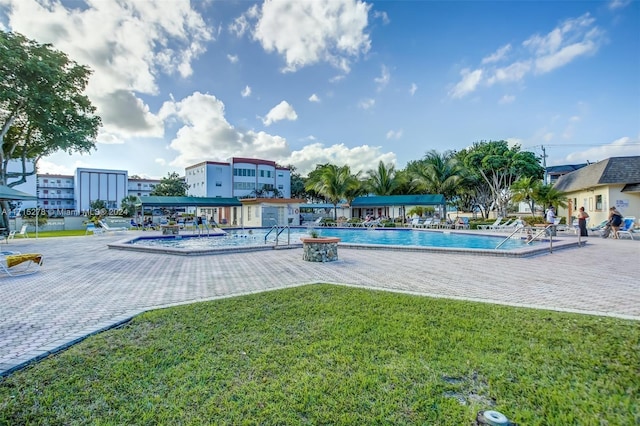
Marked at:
<point>316,248</point>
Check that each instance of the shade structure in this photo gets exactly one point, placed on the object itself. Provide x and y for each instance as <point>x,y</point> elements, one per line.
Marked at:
<point>7,193</point>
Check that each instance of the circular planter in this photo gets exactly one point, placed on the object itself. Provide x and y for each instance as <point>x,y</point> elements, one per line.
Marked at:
<point>320,249</point>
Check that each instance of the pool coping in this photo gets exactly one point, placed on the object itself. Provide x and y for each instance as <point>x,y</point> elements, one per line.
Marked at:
<point>528,251</point>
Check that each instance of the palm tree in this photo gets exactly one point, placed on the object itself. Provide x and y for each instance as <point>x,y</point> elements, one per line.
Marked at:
<point>382,181</point>
<point>333,183</point>
<point>525,189</point>
<point>547,195</point>
<point>437,174</point>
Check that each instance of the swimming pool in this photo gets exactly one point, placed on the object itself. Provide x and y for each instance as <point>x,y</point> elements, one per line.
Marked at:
<point>237,240</point>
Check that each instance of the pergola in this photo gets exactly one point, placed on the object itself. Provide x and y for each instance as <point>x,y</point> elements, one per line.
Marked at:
<point>172,202</point>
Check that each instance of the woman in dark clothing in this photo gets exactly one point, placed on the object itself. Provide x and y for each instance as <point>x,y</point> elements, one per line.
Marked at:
<point>582,222</point>
<point>615,219</point>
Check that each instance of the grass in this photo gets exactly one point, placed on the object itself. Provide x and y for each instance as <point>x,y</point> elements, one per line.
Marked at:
<point>64,233</point>
<point>324,354</point>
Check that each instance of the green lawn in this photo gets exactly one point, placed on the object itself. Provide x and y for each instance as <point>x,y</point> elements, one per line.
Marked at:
<point>323,354</point>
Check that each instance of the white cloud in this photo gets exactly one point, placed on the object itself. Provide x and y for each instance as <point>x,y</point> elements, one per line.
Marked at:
<point>469,82</point>
<point>246,92</point>
<point>619,4</point>
<point>394,134</point>
<point>622,147</point>
<point>507,99</point>
<point>127,44</point>
<point>360,158</point>
<point>314,98</point>
<point>413,89</point>
<point>383,16</point>
<point>282,111</point>
<point>233,59</point>
<point>309,32</point>
<point>571,39</point>
<point>367,103</point>
<point>384,78</point>
<point>498,55</point>
<point>205,133</point>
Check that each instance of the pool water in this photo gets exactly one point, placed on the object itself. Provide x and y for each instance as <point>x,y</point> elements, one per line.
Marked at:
<point>382,237</point>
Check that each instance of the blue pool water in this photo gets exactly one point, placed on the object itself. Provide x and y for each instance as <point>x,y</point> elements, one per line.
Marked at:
<point>384,237</point>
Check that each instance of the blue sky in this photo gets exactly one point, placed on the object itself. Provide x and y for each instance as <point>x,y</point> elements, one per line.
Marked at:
<point>305,82</point>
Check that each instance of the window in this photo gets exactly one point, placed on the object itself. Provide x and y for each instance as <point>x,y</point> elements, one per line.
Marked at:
<point>281,187</point>
<point>249,213</point>
<point>598,202</point>
<point>218,183</point>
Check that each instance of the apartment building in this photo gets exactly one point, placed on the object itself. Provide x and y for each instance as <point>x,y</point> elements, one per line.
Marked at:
<point>240,177</point>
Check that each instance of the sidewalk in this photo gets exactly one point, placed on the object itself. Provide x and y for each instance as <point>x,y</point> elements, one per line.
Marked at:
<point>84,287</point>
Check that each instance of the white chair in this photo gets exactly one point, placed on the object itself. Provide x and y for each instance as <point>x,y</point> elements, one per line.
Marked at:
<point>22,233</point>
<point>108,228</point>
<point>627,227</point>
<point>91,227</point>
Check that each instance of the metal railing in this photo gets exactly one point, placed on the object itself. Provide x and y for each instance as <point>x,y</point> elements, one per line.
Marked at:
<point>279,230</point>
<point>548,230</point>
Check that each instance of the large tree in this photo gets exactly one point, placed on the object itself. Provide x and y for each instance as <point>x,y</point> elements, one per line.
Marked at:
<point>437,173</point>
<point>334,183</point>
<point>500,166</point>
<point>382,180</point>
<point>171,186</point>
<point>42,106</point>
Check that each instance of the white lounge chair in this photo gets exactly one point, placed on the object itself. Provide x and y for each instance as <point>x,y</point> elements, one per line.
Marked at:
<point>108,228</point>
<point>91,227</point>
<point>22,233</point>
<point>492,226</point>
<point>9,261</point>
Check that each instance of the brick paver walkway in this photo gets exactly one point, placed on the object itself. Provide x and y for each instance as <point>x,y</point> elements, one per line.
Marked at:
<point>85,287</point>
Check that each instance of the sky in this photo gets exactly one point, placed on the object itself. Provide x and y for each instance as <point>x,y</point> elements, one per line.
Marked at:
<point>307,82</point>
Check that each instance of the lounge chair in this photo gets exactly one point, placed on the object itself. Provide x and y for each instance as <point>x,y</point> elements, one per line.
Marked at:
<point>462,223</point>
<point>22,233</point>
<point>492,226</point>
<point>91,227</point>
<point>9,261</point>
<point>627,227</point>
<point>108,228</point>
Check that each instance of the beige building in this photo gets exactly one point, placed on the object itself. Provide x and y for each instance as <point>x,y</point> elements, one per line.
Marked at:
<point>596,187</point>
<point>266,212</point>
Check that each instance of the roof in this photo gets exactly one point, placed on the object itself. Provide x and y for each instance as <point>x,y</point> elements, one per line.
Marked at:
<point>341,205</point>
<point>7,193</point>
<point>271,201</point>
<point>612,171</point>
<point>155,201</point>
<point>399,200</point>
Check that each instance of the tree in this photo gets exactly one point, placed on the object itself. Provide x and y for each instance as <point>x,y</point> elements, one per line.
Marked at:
<point>128,205</point>
<point>382,181</point>
<point>333,183</point>
<point>42,106</point>
<point>500,166</point>
<point>526,189</point>
<point>547,195</point>
<point>437,173</point>
<point>171,186</point>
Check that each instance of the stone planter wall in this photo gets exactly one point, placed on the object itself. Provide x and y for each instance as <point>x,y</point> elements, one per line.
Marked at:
<point>320,249</point>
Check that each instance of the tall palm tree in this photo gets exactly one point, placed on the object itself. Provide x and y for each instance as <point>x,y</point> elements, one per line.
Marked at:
<point>333,183</point>
<point>437,173</point>
<point>382,181</point>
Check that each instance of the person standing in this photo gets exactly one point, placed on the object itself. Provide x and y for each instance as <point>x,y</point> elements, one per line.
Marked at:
<point>551,220</point>
<point>582,222</point>
<point>615,220</point>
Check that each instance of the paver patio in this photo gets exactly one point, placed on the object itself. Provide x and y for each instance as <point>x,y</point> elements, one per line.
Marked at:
<point>84,287</point>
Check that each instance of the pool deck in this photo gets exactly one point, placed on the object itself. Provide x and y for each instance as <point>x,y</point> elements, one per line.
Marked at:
<point>84,287</point>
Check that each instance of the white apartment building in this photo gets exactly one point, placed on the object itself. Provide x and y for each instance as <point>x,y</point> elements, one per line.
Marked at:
<point>240,177</point>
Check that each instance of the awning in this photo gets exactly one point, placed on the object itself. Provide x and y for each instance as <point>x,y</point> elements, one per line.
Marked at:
<point>7,193</point>
<point>155,201</point>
